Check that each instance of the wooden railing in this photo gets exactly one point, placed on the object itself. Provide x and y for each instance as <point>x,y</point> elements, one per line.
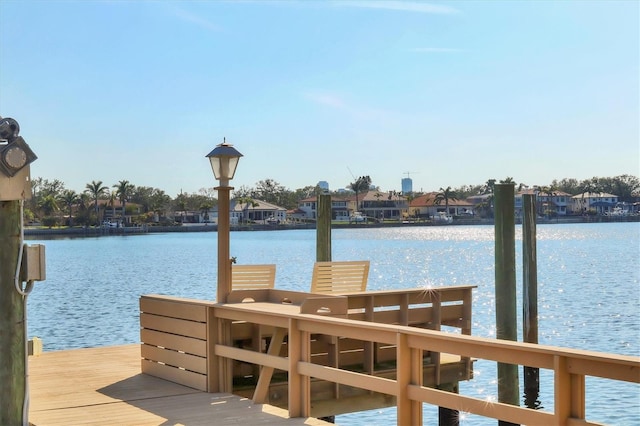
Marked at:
<point>411,335</point>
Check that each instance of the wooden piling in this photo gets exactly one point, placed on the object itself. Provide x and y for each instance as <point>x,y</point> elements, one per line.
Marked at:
<point>12,337</point>
<point>505,288</point>
<point>530,296</point>
<point>323,228</point>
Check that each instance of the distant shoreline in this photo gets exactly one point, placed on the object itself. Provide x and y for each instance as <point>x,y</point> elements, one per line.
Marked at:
<point>98,231</point>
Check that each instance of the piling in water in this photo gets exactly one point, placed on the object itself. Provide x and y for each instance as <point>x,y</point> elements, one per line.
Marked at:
<point>530,297</point>
<point>505,288</point>
<point>323,229</point>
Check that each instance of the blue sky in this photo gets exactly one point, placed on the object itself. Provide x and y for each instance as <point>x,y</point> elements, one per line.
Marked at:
<point>452,93</point>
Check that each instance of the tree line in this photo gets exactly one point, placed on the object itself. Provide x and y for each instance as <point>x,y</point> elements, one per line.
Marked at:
<point>54,204</point>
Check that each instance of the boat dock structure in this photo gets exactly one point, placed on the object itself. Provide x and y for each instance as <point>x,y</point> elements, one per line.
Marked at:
<point>280,357</point>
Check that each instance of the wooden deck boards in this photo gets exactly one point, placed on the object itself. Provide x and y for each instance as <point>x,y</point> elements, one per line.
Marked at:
<point>104,386</point>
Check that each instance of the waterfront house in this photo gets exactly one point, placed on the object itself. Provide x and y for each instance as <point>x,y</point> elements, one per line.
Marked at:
<point>112,211</point>
<point>257,211</point>
<point>556,203</point>
<point>425,206</point>
<point>599,202</point>
<point>382,205</point>
<point>372,204</point>
<point>339,207</point>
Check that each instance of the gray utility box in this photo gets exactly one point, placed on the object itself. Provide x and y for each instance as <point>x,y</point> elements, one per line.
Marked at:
<point>33,263</point>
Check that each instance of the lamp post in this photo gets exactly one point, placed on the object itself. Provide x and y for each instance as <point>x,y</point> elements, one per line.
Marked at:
<point>224,160</point>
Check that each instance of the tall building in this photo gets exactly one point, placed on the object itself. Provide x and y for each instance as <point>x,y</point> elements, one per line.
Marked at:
<point>407,185</point>
<point>324,185</point>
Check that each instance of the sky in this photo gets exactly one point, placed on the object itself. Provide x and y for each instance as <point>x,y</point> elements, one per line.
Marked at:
<point>446,93</point>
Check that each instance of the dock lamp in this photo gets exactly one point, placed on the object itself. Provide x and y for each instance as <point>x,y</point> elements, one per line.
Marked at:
<point>224,160</point>
<point>15,157</point>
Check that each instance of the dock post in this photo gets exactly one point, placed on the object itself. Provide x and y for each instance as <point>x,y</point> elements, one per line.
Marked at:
<point>447,416</point>
<point>505,289</point>
<point>323,228</point>
<point>530,297</point>
<point>12,321</point>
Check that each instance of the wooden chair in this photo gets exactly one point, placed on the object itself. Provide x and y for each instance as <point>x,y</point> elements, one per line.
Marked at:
<point>253,277</point>
<point>340,277</point>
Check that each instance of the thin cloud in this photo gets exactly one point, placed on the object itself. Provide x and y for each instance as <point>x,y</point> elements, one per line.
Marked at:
<point>326,99</point>
<point>403,6</point>
<point>195,19</point>
<point>358,112</point>
<point>435,49</point>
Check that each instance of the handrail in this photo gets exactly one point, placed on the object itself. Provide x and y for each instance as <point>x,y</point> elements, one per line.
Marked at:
<point>283,311</point>
<point>570,367</point>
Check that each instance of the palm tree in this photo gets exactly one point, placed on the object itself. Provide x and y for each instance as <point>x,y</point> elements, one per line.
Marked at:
<point>378,195</point>
<point>549,191</point>
<point>69,198</point>
<point>410,198</point>
<point>83,201</point>
<point>97,190</point>
<point>589,187</point>
<point>246,200</point>
<point>204,209</point>
<point>112,204</point>
<point>49,205</point>
<point>361,184</point>
<point>445,195</point>
<point>123,190</point>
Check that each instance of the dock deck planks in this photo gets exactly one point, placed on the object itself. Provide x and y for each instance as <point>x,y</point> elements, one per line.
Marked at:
<point>104,386</point>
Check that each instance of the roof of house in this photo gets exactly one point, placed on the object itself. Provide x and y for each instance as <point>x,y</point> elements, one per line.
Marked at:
<point>371,195</point>
<point>594,195</point>
<point>429,200</point>
<point>261,205</point>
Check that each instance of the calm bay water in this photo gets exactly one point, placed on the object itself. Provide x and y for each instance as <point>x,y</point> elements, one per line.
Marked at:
<point>588,277</point>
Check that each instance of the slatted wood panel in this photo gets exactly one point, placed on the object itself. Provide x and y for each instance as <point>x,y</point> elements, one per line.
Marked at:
<point>174,339</point>
<point>252,277</point>
<point>340,277</point>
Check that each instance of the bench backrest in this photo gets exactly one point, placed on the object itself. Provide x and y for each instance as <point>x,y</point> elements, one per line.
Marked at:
<point>252,277</point>
<point>340,277</point>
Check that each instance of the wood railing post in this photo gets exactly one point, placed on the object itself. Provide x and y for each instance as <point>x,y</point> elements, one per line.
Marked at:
<point>369,347</point>
<point>436,324</point>
<point>299,385</point>
<point>213,379</point>
<point>225,365</point>
<point>404,309</point>
<point>403,379</point>
<point>417,375</point>
<point>569,393</point>
<point>467,301</point>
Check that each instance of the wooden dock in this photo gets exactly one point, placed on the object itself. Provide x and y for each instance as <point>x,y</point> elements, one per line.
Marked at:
<point>104,386</point>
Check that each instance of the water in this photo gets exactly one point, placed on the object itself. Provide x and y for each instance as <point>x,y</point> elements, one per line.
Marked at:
<point>588,278</point>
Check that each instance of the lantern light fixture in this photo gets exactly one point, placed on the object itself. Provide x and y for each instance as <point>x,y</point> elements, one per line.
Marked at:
<point>15,154</point>
<point>224,160</point>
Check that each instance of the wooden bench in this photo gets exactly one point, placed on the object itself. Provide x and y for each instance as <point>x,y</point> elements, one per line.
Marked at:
<point>340,277</point>
<point>173,332</point>
<point>253,277</point>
